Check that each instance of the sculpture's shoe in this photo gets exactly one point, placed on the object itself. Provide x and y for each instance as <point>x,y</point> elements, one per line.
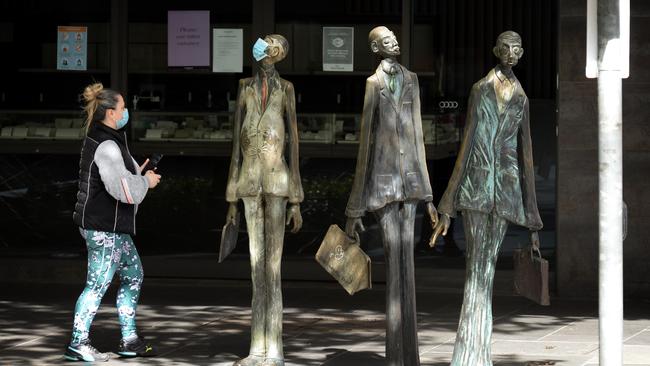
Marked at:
<point>251,360</point>
<point>273,362</point>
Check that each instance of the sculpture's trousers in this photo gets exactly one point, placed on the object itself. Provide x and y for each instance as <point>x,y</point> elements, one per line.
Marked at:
<point>484,234</point>
<point>401,318</point>
<point>265,220</point>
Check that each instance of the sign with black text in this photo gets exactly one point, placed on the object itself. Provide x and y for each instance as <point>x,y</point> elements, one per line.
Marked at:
<point>227,50</point>
<point>338,49</point>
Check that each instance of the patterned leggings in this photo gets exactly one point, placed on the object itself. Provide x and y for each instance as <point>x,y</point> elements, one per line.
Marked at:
<point>109,253</point>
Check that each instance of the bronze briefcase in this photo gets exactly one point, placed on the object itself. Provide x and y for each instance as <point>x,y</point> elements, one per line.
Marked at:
<point>531,275</point>
<point>344,260</point>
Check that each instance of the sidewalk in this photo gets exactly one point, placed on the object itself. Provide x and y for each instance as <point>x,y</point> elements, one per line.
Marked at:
<point>206,322</point>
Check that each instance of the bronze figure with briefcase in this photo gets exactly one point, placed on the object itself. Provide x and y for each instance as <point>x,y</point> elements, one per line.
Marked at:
<point>345,260</point>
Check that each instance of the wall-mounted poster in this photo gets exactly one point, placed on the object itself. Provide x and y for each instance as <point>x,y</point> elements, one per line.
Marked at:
<point>188,38</point>
<point>227,50</point>
<point>72,47</point>
<point>338,49</point>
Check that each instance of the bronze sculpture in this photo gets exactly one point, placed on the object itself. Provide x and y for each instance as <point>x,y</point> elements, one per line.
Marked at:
<point>260,176</point>
<point>493,183</point>
<point>391,178</point>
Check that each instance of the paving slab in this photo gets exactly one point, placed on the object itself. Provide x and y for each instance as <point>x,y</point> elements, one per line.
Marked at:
<point>208,323</point>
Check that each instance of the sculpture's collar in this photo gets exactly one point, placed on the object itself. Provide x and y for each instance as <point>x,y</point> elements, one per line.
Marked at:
<point>390,66</point>
<point>269,73</point>
<point>504,74</point>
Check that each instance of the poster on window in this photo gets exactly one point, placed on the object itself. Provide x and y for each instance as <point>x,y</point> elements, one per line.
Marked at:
<point>188,38</point>
<point>338,48</point>
<point>72,48</point>
<point>227,50</point>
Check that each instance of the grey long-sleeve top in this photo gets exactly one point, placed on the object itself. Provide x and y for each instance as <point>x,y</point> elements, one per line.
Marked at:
<point>119,182</point>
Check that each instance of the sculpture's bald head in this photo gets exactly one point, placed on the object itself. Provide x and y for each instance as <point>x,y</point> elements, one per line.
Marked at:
<point>509,37</point>
<point>508,48</point>
<point>383,42</point>
<point>277,50</point>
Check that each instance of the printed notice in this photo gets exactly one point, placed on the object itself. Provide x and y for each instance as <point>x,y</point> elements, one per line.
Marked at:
<point>72,48</point>
<point>227,50</point>
<point>338,49</point>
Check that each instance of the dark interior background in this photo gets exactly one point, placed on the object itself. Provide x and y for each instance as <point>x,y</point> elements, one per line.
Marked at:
<point>451,48</point>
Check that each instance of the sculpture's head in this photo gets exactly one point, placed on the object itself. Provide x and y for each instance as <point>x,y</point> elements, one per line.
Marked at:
<point>508,48</point>
<point>276,51</point>
<point>383,42</point>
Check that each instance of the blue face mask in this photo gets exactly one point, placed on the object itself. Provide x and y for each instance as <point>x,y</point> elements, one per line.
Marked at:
<point>259,49</point>
<point>124,120</point>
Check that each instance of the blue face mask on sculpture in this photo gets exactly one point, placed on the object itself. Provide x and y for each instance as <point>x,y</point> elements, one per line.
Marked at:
<point>259,49</point>
<point>124,120</point>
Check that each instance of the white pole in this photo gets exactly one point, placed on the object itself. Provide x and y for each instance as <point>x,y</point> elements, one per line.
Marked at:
<point>610,163</point>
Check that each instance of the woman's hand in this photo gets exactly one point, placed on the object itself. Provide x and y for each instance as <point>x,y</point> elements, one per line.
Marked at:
<point>152,178</point>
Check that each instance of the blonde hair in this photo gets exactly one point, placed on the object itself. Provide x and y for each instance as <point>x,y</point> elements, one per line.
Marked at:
<point>96,101</point>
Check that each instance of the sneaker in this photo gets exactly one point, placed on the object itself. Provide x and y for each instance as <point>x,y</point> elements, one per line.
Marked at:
<point>135,348</point>
<point>84,352</point>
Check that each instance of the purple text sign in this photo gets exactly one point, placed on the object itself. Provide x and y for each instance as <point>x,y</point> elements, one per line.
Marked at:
<point>188,38</point>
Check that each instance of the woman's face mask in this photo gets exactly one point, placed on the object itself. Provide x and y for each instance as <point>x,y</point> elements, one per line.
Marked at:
<point>124,120</point>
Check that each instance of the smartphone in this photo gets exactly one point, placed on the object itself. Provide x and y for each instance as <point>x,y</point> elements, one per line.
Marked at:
<point>153,162</point>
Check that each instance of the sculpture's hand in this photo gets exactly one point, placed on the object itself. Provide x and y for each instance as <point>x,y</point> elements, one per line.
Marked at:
<point>441,228</point>
<point>294,214</point>
<point>232,213</point>
<point>354,226</point>
<point>534,239</point>
<point>433,214</point>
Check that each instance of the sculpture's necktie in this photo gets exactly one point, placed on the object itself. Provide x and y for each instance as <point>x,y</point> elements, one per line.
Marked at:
<point>392,76</point>
<point>265,92</point>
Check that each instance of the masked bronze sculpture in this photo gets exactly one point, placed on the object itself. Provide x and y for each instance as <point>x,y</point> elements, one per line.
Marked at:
<point>493,183</point>
<point>260,176</point>
<point>391,178</point>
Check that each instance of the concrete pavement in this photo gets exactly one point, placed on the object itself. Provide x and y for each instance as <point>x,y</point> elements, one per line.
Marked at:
<point>206,322</point>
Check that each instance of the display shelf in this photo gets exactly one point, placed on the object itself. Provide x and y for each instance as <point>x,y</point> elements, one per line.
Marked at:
<point>40,131</point>
<point>441,129</point>
<point>180,133</point>
<point>181,127</point>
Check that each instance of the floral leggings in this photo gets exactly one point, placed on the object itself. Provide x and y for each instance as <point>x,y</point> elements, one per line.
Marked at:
<point>108,253</point>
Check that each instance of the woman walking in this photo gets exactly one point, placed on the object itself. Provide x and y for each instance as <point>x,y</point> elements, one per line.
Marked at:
<point>110,188</point>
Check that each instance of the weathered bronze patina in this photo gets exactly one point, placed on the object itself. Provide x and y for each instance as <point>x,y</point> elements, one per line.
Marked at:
<point>391,178</point>
<point>260,176</point>
<point>493,183</point>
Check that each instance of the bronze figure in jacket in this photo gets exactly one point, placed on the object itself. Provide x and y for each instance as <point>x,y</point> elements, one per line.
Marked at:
<point>391,178</point>
<point>493,183</point>
<point>261,177</point>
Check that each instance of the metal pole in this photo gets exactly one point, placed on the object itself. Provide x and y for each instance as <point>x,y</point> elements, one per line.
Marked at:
<point>610,163</point>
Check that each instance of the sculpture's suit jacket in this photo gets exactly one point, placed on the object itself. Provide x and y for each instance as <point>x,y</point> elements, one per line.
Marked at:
<point>391,163</point>
<point>258,166</point>
<point>494,169</point>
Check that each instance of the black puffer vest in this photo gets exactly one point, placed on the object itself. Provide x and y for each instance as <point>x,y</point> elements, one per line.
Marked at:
<point>96,209</point>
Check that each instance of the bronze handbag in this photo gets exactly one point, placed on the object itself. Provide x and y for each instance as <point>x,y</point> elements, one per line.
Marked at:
<point>229,235</point>
<point>531,275</point>
<point>344,260</point>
